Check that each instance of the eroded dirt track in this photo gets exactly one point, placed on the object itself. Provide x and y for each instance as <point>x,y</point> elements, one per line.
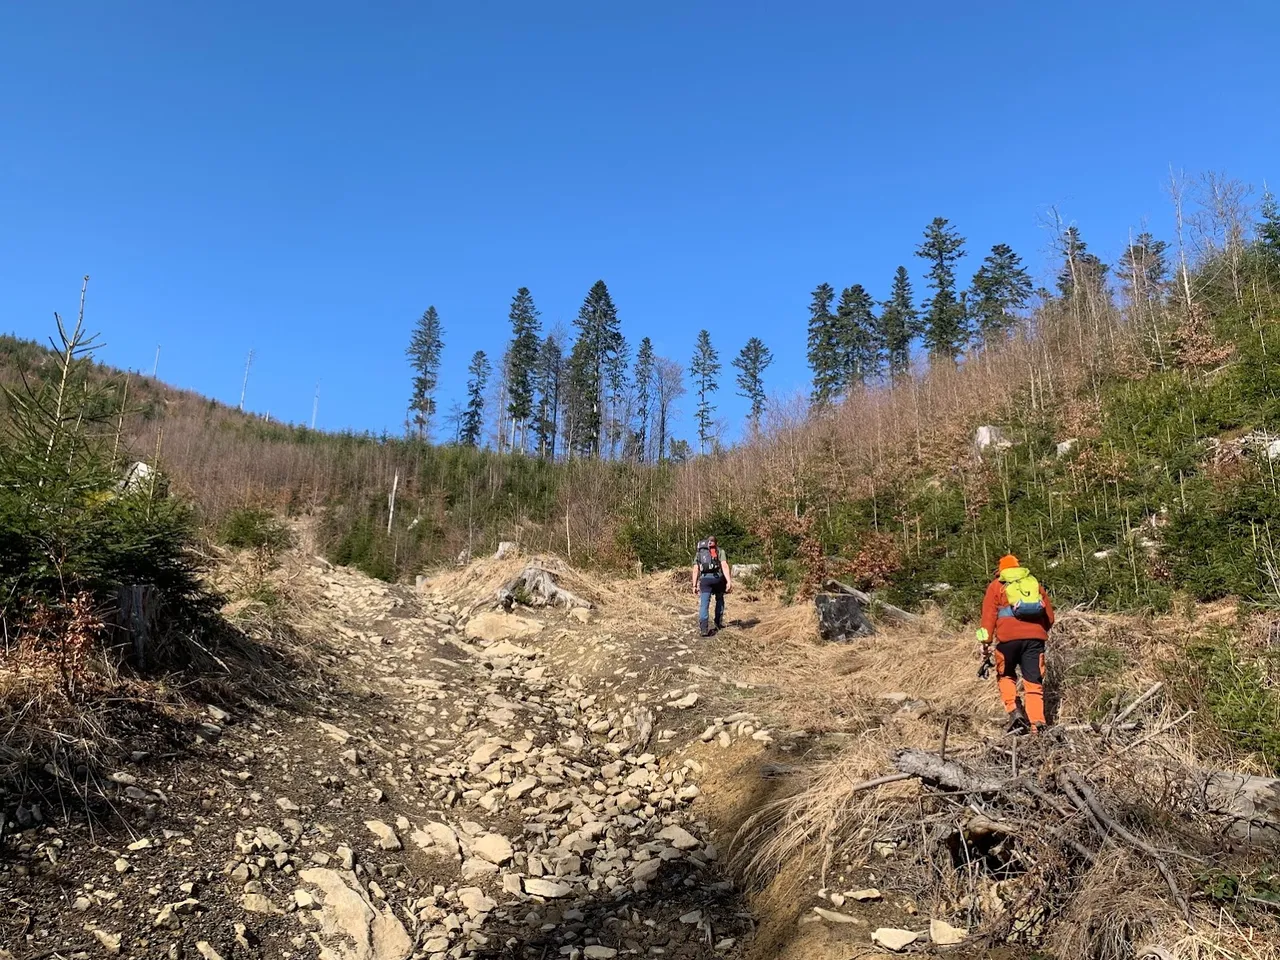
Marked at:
<point>471,785</point>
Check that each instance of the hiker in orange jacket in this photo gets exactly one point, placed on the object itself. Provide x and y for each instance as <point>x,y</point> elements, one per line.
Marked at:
<point>1016,616</point>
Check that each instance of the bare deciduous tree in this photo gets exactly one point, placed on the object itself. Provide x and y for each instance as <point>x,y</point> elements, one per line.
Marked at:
<point>668,386</point>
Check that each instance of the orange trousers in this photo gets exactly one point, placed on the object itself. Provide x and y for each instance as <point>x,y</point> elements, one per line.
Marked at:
<point>1027,656</point>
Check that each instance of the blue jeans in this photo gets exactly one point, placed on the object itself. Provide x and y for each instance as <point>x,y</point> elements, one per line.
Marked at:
<point>707,587</point>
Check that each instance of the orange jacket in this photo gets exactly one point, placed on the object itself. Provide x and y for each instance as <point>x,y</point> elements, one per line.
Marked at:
<point>1011,628</point>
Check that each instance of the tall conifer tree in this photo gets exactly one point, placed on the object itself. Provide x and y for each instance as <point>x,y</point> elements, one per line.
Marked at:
<point>523,354</point>
<point>945,324</point>
<point>857,337</point>
<point>824,346</point>
<point>425,346</point>
<point>473,416</point>
<point>752,361</point>
<point>899,325</point>
<point>644,397</point>
<point>704,369</point>
<point>1001,286</point>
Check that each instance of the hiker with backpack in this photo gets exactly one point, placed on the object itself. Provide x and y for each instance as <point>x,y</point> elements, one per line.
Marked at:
<point>1017,615</point>
<point>711,577</point>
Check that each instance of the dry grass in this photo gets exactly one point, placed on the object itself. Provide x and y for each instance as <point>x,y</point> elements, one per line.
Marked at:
<point>58,740</point>
<point>1037,887</point>
<point>620,599</point>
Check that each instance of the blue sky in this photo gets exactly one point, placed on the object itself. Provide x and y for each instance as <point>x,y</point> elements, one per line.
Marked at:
<point>303,179</point>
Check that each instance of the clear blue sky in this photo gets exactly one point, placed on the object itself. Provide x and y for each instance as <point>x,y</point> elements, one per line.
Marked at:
<point>305,178</point>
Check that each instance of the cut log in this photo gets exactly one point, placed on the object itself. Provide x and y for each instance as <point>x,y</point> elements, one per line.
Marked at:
<point>867,600</point>
<point>536,586</point>
<point>946,773</point>
<point>1251,804</point>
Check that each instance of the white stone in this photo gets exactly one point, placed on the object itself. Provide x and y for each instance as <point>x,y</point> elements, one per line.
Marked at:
<point>387,838</point>
<point>494,627</point>
<point>832,917</point>
<point>493,847</point>
<point>893,938</point>
<point>538,887</point>
<point>598,952</point>
<point>945,935</point>
<point>871,893</point>
<point>679,837</point>
<point>436,838</point>
<point>477,869</point>
<point>475,901</point>
<point>647,870</point>
<point>989,436</point>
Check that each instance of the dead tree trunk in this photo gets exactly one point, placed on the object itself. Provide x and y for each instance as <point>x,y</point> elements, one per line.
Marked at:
<point>536,586</point>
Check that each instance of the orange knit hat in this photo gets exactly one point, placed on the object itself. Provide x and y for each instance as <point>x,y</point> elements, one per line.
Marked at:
<point>1009,561</point>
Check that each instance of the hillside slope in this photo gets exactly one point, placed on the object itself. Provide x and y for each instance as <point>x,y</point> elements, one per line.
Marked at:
<point>462,782</point>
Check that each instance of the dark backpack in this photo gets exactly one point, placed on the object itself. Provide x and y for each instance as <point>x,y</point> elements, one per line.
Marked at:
<point>708,562</point>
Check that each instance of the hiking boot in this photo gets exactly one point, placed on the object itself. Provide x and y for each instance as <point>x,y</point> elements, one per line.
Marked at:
<point>719,625</point>
<point>1018,722</point>
<point>703,631</point>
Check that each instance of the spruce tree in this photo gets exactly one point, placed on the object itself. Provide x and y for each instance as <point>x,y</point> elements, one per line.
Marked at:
<point>547,384</point>
<point>617,399</point>
<point>857,337</point>
<point>1144,267</point>
<point>473,416</point>
<point>1001,286</point>
<point>1082,272</point>
<point>598,348</point>
<point>824,346</point>
<point>580,420</point>
<point>425,347</point>
<point>752,361</point>
<point>1268,231</point>
<point>643,376</point>
<point>523,354</point>
<point>704,370</point>
<point>899,325</point>
<point>945,321</point>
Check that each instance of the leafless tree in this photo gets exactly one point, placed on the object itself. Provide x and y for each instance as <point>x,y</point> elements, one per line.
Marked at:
<point>668,386</point>
<point>1177,192</point>
<point>1221,225</point>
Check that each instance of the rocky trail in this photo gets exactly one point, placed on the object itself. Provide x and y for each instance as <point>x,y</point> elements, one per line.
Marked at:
<point>469,784</point>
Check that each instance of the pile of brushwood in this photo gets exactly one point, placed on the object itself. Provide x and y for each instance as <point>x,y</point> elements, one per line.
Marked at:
<point>1101,840</point>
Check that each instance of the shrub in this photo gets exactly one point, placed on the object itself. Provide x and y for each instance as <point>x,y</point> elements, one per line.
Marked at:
<point>254,528</point>
<point>1236,690</point>
<point>71,529</point>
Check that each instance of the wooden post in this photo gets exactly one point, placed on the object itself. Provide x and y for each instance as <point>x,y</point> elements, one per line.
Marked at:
<point>391,511</point>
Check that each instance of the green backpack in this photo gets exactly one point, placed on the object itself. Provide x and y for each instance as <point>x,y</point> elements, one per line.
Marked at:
<point>1024,601</point>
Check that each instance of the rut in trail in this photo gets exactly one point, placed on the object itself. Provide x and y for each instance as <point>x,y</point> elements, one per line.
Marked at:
<point>520,792</point>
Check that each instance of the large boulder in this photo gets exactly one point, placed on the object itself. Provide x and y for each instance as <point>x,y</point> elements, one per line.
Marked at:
<point>351,927</point>
<point>841,617</point>
<point>989,437</point>
<point>494,627</point>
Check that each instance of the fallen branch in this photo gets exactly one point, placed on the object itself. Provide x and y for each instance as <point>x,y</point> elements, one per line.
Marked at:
<point>1151,692</point>
<point>1139,742</point>
<point>947,773</point>
<point>880,781</point>
<point>536,586</point>
<point>1084,797</point>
